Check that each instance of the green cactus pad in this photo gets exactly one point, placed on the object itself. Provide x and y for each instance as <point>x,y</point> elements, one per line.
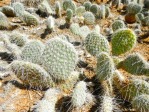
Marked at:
<point>50,23</point>
<point>136,64</point>
<point>69,15</point>
<point>29,19</point>
<point>18,8</point>
<point>68,85</point>
<point>94,9</point>
<point>118,24</point>
<point>96,43</point>
<point>18,39</point>
<point>139,17</point>
<point>31,74</point>
<point>79,94</point>
<point>59,58</point>
<point>8,11</point>
<point>123,40</point>
<point>133,88</point>
<point>133,8</point>
<point>84,31</point>
<point>145,21</point>
<point>105,66</point>
<point>75,28</point>
<point>104,11</point>
<point>107,104</point>
<point>32,51</point>
<point>141,103</point>
<point>87,5</point>
<point>80,10</point>
<point>45,8</point>
<point>69,4</point>
<point>4,23</point>
<point>89,18</point>
<point>58,8</point>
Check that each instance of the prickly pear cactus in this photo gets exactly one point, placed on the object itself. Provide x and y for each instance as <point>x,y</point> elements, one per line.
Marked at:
<point>141,103</point>
<point>136,64</point>
<point>89,18</point>
<point>8,11</point>
<point>133,8</point>
<point>50,23</point>
<point>105,66</point>
<point>69,15</point>
<point>4,23</point>
<point>123,40</point>
<point>118,24</point>
<point>75,28</point>
<point>69,4</point>
<point>87,5</point>
<point>47,104</point>
<point>107,104</point>
<point>45,8</point>
<point>94,9</point>
<point>139,17</point>
<point>146,4</point>
<point>31,74</point>
<point>18,8</point>
<point>104,11</point>
<point>18,39</point>
<point>31,3</point>
<point>96,43</point>
<point>145,21</point>
<point>29,19</point>
<point>84,31</point>
<point>58,8</point>
<point>32,51</point>
<point>79,94</point>
<point>132,88</point>
<point>80,10</point>
<point>68,85</point>
<point>57,54</point>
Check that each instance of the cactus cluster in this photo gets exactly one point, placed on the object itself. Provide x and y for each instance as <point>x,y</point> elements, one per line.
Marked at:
<point>83,61</point>
<point>132,10</point>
